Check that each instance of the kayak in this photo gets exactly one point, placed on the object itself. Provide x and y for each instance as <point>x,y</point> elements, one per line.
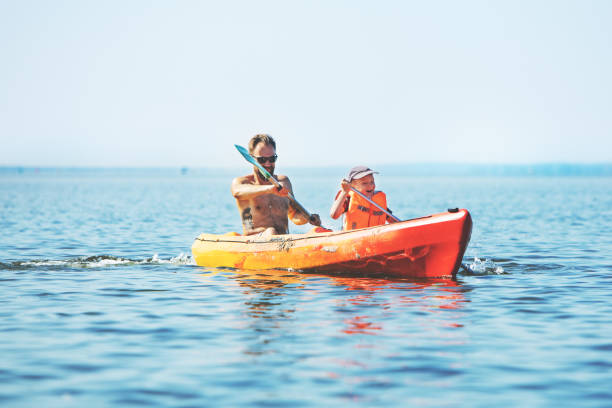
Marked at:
<point>425,247</point>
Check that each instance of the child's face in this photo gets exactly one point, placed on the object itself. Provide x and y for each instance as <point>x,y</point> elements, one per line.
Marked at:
<point>365,185</point>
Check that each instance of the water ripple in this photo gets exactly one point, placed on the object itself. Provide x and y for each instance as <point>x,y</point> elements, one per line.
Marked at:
<point>90,317</point>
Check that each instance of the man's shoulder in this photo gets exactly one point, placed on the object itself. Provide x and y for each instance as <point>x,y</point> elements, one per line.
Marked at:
<point>281,177</point>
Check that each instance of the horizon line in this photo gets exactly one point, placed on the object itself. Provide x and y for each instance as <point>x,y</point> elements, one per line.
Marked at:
<point>391,170</point>
<point>414,164</point>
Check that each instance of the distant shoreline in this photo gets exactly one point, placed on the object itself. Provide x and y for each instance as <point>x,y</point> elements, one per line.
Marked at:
<point>392,170</point>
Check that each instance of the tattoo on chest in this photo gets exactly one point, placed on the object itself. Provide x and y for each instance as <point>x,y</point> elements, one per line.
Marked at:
<point>247,219</point>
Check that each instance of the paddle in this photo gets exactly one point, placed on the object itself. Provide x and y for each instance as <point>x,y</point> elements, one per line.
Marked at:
<point>386,211</point>
<point>373,203</point>
<point>245,153</point>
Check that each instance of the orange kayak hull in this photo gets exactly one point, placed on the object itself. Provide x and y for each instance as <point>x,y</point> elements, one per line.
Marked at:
<point>425,247</point>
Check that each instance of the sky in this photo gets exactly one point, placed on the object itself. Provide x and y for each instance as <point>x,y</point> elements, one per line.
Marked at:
<point>178,83</point>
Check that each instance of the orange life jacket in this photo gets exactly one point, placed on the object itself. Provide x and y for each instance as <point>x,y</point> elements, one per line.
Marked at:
<point>362,214</point>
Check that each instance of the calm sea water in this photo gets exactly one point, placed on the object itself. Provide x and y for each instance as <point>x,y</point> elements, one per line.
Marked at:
<point>101,304</point>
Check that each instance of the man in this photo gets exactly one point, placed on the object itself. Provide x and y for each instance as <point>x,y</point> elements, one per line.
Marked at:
<point>263,208</point>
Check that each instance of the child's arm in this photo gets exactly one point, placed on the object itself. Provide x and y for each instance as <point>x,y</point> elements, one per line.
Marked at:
<point>339,207</point>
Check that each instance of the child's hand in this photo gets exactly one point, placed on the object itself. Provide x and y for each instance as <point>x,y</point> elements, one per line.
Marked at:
<point>346,186</point>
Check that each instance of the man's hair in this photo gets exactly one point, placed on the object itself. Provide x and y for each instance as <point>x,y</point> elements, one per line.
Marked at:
<point>261,138</point>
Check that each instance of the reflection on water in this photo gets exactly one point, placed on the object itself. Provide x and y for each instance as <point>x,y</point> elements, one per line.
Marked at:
<point>360,325</point>
<point>371,300</point>
<point>351,331</point>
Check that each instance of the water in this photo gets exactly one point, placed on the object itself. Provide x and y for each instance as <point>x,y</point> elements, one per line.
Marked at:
<point>102,306</point>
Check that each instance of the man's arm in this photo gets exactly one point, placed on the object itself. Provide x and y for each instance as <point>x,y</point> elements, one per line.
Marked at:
<point>299,218</point>
<point>295,215</point>
<point>243,189</point>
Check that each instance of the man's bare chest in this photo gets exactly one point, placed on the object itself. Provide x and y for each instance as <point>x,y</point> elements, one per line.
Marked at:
<point>270,204</point>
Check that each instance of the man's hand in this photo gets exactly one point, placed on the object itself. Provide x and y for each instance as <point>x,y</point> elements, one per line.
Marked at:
<point>315,220</point>
<point>283,192</point>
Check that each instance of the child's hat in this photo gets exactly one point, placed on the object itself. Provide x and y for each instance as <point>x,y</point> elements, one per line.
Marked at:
<point>358,172</point>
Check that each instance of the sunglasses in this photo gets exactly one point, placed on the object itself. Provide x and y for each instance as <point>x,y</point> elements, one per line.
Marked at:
<point>263,160</point>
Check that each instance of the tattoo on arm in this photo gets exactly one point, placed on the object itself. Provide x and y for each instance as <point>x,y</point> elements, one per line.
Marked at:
<point>247,219</point>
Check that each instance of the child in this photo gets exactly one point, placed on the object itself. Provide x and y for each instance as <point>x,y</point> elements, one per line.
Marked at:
<point>358,212</point>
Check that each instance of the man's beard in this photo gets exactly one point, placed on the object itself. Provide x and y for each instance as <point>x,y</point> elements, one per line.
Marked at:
<point>269,171</point>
